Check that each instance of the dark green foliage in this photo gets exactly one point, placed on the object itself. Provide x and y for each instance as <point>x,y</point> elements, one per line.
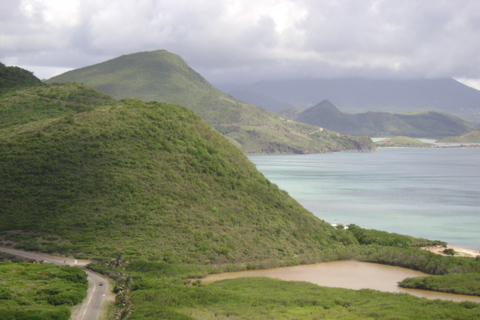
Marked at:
<point>453,283</point>
<point>15,77</point>
<point>381,238</point>
<point>262,298</point>
<point>449,251</point>
<point>33,291</point>
<point>147,179</point>
<point>166,77</point>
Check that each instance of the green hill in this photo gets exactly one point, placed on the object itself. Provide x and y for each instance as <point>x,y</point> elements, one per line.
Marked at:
<point>380,124</point>
<point>470,137</point>
<point>43,102</point>
<point>15,77</point>
<point>166,77</point>
<point>145,179</point>
<point>402,142</point>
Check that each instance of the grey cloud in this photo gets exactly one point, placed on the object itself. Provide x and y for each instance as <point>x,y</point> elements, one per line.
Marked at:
<point>248,40</point>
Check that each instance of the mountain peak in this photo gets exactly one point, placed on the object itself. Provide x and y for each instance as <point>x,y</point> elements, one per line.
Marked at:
<point>165,77</point>
<point>326,105</point>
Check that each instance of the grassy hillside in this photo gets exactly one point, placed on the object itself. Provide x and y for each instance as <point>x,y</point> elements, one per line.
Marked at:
<point>14,77</point>
<point>42,102</point>
<point>402,142</point>
<point>470,137</point>
<point>380,124</point>
<point>34,291</point>
<point>166,77</point>
<point>146,179</point>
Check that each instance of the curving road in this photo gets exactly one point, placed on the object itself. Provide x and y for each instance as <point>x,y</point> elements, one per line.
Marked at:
<point>91,307</point>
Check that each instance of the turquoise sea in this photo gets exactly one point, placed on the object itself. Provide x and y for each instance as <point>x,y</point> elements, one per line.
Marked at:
<point>431,193</point>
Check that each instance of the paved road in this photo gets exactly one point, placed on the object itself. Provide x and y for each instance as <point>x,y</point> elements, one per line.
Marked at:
<point>90,308</point>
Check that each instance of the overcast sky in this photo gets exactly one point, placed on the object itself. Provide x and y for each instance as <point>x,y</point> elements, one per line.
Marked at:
<point>245,41</point>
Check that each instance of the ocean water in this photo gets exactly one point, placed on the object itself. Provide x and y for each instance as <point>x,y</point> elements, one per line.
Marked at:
<point>432,193</point>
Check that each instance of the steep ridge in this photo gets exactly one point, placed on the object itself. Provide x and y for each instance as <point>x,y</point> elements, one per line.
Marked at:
<point>423,124</point>
<point>166,77</point>
<point>145,179</point>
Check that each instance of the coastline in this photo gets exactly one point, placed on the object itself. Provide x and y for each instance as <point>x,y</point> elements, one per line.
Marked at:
<point>459,252</point>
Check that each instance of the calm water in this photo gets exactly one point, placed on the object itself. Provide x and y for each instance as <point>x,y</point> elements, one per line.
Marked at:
<point>346,274</point>
<point>429,193</point>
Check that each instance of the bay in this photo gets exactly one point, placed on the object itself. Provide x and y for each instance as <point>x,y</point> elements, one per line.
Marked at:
<point>431,193</point>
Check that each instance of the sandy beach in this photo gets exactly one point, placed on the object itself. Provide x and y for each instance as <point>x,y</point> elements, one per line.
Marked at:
<point>459,252</point>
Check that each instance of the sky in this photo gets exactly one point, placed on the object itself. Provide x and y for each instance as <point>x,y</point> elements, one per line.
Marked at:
<point>245,41</point>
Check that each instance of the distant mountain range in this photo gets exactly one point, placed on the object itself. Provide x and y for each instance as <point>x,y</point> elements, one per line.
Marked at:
<point>380,124</point>
<point>362,95</point>
<point>166,77</point>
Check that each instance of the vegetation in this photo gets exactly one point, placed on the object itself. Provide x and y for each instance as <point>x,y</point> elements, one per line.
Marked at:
<point>48,102</point>
<point>146,179</point>
<point>382,238</point>
<point>360,95</point>
<point>453,283</point>
<point>380,124</point>
<point>159,197</point>
<point>165,77</point>
<point>161,290</point>
<point>471,137</point>
<point>402,142</point>
<point>34,291</point>
<point>14,78</point>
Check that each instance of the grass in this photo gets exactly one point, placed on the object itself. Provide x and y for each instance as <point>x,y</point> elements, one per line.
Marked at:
<point>33,291</point>
<point>470,137</point>
<point>158,196</point>
<point>165,77</point>
<point>12,78</point>
<point>402,142</point>
<point>151,180</point>
<point>452,283</point>
<point>18,107</point>
<point>157,295</point>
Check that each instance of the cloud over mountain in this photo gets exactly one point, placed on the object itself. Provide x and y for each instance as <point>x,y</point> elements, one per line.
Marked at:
<point>244,41</point>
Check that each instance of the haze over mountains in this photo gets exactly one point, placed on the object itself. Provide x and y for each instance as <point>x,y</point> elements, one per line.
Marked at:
<point>380,124</point>
<point>363,95</point>
<point>165,77</point>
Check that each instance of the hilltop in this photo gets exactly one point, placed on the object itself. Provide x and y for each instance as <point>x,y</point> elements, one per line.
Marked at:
<point>166,77</point>
<point>145,179</point>
<point>43,102</point>
<point>15,77</point>
<point>380,124</point>
<point>357,95</point>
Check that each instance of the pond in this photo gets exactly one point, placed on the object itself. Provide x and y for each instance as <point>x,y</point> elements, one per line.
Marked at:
<point>346,274</point>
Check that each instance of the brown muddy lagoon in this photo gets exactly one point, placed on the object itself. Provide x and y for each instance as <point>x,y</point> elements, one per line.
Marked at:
<point>348,275</point>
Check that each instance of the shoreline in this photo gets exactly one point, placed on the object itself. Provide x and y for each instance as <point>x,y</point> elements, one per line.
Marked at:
<point>459,252</point>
